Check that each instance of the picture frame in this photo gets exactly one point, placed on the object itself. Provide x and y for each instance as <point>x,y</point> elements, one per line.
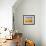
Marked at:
<point>28,19</point>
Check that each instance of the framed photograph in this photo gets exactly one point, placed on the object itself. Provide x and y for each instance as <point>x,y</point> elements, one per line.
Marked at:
<point>28,19</point>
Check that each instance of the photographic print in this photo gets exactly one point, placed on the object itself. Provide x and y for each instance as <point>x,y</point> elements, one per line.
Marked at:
<point>28,19</point>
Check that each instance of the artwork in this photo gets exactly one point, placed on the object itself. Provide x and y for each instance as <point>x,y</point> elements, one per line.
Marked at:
<point>28,19</point>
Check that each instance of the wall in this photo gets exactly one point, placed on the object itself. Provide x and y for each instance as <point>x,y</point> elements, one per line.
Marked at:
<point>6,13</point>
<point>43,22</point>
<point>28,7</point>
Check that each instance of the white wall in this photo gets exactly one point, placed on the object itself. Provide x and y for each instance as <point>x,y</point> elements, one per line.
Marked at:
<point>37,31</point>
<point>43,22</point>
<point>6,13</point>
<point>28,7</point>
